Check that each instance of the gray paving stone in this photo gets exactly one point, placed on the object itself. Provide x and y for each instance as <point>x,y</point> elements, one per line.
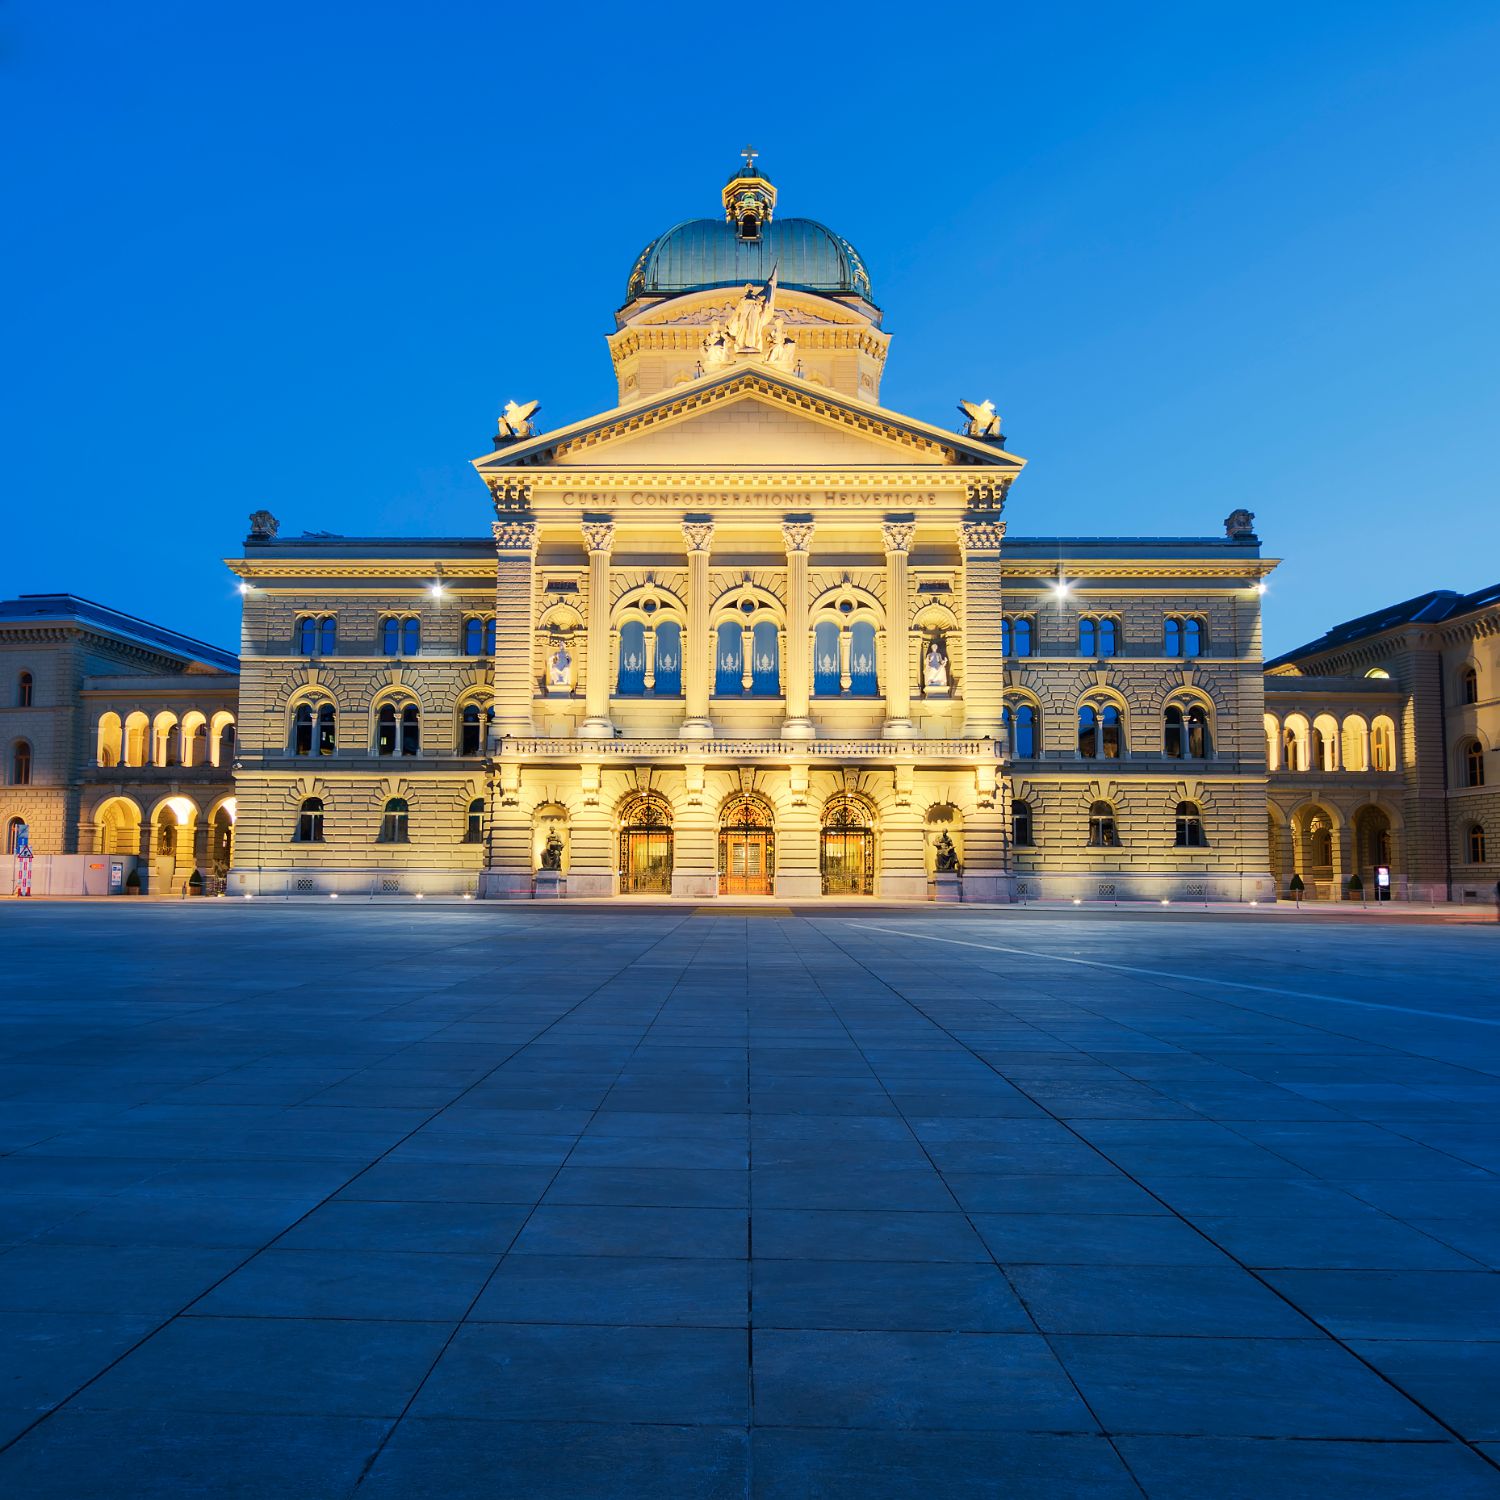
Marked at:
<point>948,1382</point>
<point>693,1376</point>
<point>648,1142</point>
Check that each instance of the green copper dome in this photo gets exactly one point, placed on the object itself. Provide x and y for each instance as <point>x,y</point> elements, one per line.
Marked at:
<point>703,253</point>
<point>747,245</point>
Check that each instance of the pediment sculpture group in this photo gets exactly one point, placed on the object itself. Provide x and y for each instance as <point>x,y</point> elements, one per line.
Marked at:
<point>754,328</point>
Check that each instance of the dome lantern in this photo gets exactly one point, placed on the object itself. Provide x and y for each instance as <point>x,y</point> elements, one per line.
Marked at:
<point>749,198</point>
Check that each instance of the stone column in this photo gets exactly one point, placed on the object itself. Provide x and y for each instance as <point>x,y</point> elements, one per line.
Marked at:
<point>697,658</point>
<point>797,533</point>
<point>515,614</point>
<point>898,725</point>
<point>599,538</point>
<point>983,684</point>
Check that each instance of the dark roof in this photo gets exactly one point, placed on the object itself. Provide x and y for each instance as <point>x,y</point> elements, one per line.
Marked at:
<point>1425,609</point>
<point>36,607</point>
<point>703,253</point>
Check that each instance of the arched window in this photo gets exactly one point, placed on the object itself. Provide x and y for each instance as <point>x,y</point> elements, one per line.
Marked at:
<point>1173,740</point>
<point>328,635</point>
<point>385,730</point>
<point>1171,636</point>
<point>1474,844</point>
<point>1088,732</point>
<point>1109,636</point>
<point>489,636</point>
<point>1088,636</point>
<point>1291,746</point>
<point>1273,744</point>
<point>13,834</point>
<point>632,673</point>
<point>765,646</point>
<point>390,637</point>
<point>1020,726</point>
<point>411,636</point>
<point>1468,686</point>
<point>307,636</point>
<point>20,764</point>
<point>668,660</point>
<point>226,743</point>
<point>1472,755</point>
<point>137,729</point>
<point>1199,742</point>
<point>470,730</point>
<point>474,822</point>
<point>1383,744</point>
<point>1190,826</point>
<point>302,730</point>
<point>826,659</point>
<point>473,637</point>
<point>317,636</point>
<point>1111,733</point>
<point>729,665</point>
<point>1020,825</point>
<point>109,739</point>
<point>195,745</point>
<point>309,822</point>
<point>1194,636</point>
<point>411,730</point>
<point>327,729</point>
<point>24,687</point>
<point>1015,636</point>
<point>862,674</point>
<point>393,823</point>
<point>1379,672</point>
<point>1103,833</point>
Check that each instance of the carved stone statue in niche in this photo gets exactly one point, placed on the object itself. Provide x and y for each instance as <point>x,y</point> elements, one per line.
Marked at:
<point>560,669</point>
<point>936,678</point>
<point>945,856</point>
<point>552,851</point>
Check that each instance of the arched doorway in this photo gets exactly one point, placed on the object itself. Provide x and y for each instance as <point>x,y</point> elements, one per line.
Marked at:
<point>646,847</point>
<point>221,843</point>
<point>172,830</point>
<point>847,854</point>
<point>1373,843</point>
<point>747,847</point>
<point>117,827</point>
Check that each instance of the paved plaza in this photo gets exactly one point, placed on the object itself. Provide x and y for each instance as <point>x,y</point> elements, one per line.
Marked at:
<point>461,1201</point>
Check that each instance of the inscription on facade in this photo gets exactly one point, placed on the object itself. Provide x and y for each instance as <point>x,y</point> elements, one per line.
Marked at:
<point>755,499</point>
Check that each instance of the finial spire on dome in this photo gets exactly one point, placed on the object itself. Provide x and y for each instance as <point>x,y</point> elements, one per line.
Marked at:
<point>749,197</point>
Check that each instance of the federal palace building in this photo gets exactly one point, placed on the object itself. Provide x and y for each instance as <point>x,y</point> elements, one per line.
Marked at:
<point>750,632</point>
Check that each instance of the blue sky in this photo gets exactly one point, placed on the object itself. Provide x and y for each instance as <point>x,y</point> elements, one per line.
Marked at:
<point>1200,255</point>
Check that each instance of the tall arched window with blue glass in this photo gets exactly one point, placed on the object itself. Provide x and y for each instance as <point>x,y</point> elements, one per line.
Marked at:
<point>747,654</point>
<point>846,649</point>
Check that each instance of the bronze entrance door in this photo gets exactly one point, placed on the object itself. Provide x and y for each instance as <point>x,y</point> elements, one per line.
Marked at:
<point>747,850</point>
<point>848,850</point>
<point>646,848</point>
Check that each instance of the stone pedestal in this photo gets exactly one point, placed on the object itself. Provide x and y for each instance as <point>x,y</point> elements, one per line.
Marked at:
<point>550,885</point>
<point>945,886</point>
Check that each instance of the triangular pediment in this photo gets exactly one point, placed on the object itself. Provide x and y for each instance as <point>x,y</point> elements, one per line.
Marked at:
<point>750,419</point>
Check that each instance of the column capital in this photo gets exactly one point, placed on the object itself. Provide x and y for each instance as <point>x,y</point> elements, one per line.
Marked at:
<point>697,534</point>
<point>599,534</point>
<point>981,536</point>
<point>797,533</point>
<point>898,535</point>
<point>514,536</point>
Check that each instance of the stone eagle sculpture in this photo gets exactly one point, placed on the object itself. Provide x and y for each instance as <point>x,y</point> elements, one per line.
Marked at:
<point>983,421</point>
<point>515,421</point>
